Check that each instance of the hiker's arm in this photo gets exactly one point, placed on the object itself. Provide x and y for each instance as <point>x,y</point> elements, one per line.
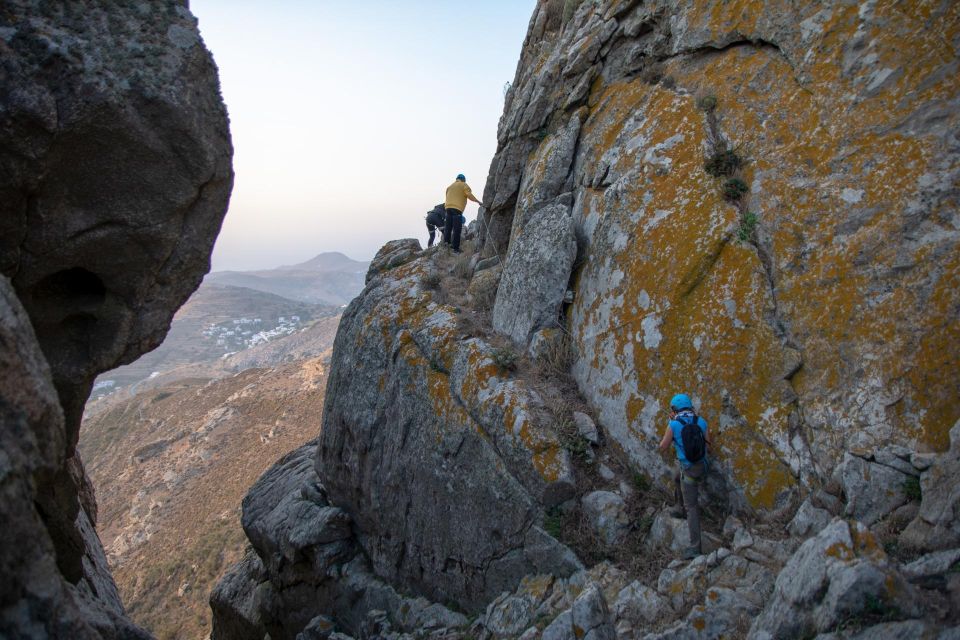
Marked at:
<point>469,193</point>
<point>667,439</point>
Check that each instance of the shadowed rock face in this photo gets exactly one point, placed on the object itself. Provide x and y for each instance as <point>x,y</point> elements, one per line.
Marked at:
<point>115,172</point>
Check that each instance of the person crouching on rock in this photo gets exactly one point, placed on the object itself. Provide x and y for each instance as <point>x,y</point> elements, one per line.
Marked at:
<point>456,203</point>
<point>436,218</point>
<point>688,433</point>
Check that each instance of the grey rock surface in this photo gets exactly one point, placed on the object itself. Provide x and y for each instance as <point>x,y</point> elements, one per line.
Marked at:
<point>809,520</point>
<point>536,274</point>
<point>392,255</point>
<point>409,405</point>
<point>873,490</point>
<point>640,605</point>
<point>590,617</point>
<point>937,525</point>
<point>238,600</point>
<point>607,513</point>
<point>931,564</point>
<point>831,577</point>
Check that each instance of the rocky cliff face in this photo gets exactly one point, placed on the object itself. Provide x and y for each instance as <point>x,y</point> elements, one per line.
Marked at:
<point>810,311</point>
<point>115,177</point>
<point>751,202</point>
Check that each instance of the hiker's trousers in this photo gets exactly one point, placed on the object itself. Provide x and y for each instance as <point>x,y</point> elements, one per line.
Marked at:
<point>433,233</point>
<point>687,492</point>
<point>453,227</point>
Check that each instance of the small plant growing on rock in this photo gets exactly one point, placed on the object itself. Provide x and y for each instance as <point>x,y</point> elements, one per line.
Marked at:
<point>707,103</point>
<point>569,436</point>
<point>553,522</point>
<point>748,227</point>
<point>558,356</point>
<point>641,482</point>
<point>734,188</point>
<point>461,268</point>
<point>505,359</point>
<point>723,162</point>
<point>911,487</point>
<point>431,281</point>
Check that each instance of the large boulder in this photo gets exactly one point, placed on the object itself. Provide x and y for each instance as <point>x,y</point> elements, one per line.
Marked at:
<point>392,255</point>
<point>780,311</point>
<point>536,273</point>
<point>839,573</point>
<point>443,462</point>
<point>115,172</point>
<point>872,490</point>
<point>937,525</point>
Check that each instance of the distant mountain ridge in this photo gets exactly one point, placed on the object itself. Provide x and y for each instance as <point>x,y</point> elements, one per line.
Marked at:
<point>328,278</point>
<point>329,261</point>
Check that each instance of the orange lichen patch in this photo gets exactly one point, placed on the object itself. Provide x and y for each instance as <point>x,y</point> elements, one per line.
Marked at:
<point>840,551</point>
<point>937,382</point>
<point>865,543</point>
<point>699,623</point>
<point>538,586</point>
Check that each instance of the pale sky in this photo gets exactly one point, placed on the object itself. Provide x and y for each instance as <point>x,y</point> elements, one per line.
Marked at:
<point>349,119</point>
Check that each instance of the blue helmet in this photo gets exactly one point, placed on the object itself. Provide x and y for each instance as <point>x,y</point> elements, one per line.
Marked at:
<point>680,402</point>
<point>461,177</point>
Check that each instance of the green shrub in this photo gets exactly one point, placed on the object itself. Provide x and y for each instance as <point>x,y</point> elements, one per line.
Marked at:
<point>748,226</point>
<point>911,487</point>
<point>644,524</point>
<point>553,522</point>
<point>707,103</point>
<point>505,359</point>
<point>723,162</point>
<point>734,188</point>
<point>641,482</point>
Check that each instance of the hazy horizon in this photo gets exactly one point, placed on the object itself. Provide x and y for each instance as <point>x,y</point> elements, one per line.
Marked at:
<point>348,122</point>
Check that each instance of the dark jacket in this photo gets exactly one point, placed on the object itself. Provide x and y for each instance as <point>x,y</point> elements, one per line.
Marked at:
<point>437,216</point>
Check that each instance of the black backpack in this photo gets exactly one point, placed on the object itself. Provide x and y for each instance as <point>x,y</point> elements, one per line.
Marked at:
<point>694,445</point>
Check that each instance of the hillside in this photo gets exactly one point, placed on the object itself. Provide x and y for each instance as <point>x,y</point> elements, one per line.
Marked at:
<point>329,278</point>
<point>171,466</point>
<point>216,322</point>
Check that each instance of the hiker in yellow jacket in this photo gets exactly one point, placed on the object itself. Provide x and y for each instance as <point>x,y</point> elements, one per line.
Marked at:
<point>455,203</point>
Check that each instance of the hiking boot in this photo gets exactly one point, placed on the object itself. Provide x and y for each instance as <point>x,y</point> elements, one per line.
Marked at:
<point>678,512</point>
<point>690,553</point>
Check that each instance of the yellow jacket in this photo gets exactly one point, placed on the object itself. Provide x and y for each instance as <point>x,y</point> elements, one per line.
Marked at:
<point>457,195</point>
